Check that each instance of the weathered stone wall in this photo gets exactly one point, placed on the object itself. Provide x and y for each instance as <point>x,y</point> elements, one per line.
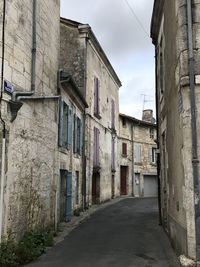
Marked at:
<point>73,54</point>
<point>175,125</point>
<point>80,58</point>
<point>130,134</point>
<point>31,169</point>
<point>109,90</point>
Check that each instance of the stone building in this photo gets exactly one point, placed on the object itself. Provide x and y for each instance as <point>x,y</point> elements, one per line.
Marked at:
<point>83,57</point>
<point>137,155</point>
<point>175,32</point>
<point>28,104</point>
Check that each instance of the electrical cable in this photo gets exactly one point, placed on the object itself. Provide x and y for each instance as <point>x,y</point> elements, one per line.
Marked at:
<point>136,17</point>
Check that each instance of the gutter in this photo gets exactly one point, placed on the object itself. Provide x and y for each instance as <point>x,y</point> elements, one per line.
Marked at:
<point>132,155</point>
<point>158,143</point>
<point>33,60</point>
<point>195,160</point>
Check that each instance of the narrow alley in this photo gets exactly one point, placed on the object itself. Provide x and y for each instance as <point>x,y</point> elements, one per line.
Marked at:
<point>123,234</point>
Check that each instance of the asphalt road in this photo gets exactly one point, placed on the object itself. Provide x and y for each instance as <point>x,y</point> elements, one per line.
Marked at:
<point>125,234</point>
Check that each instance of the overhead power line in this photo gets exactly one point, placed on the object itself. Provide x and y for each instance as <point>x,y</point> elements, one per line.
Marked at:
<point>136,17</point>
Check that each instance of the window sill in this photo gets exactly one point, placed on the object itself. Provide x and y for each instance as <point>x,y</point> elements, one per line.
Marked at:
<point>124,155</point>
<point>138,163</point>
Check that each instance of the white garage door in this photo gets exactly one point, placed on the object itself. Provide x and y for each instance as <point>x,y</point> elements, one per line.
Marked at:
<point>150,186</point>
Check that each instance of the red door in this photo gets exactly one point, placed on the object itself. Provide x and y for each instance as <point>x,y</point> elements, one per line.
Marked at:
<point>124,180</point>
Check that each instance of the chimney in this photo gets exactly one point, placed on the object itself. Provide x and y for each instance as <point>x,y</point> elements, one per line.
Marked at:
<point>148,116</point>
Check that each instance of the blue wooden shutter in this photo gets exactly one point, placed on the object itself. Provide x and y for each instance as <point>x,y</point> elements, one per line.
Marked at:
<point>60,126</point>
<point>69,127</point>
<point>81,137</point>
<point>68,196</point>
<point>75,134</point>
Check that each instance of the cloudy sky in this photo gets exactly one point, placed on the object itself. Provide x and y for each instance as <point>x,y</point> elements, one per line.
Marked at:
<point>125,43</point>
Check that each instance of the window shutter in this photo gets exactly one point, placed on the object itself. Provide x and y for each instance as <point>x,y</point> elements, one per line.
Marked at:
<point>60,126</point>
<point>98,96</point>
<point>98,147</point>
<point>75,134</point>
<point>81,137</point>
<point>69,124</point>
<point>95,148</point>
<point>112,114</point>
<point>95,95</point>
<point>137,152</point>
<point>151,155</point>
<point>113,155</point>
<point>124,149</point>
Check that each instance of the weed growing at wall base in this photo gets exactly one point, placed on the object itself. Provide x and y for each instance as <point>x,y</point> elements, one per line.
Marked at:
<point>29,248</point>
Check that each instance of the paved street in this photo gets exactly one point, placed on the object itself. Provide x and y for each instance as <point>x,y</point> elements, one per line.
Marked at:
<point>125,234</point>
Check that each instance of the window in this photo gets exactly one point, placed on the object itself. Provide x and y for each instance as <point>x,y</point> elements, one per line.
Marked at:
<point>96,161</point>
<point>64,129</point>
<point>77,188</point>
<point>113,154</point>
<point>78,135</point>
<point>112,114</point>
<point>124,149</point>
<point>123,122</point>
<point>137,153</point>
<point>153,156</point>
<point>151,133</point>
<point>96,98</point>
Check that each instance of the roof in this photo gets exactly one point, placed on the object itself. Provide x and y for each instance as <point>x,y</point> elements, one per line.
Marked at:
<point>67,78</point>
<point>156,19</point>
<point>85,28</point>
<point>138,122</point>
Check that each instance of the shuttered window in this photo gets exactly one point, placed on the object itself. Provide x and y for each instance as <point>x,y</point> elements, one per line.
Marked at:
<point>137,153</point>
<point>64,129</point>
<point>152,155</point>
<point>96,161</point>
<point>124,149</point>
<point>113,155</point>
<point>78,135</point>
<point>112,114</point>
<point>96,97</point>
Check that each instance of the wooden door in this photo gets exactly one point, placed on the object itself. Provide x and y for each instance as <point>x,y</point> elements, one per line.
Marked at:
<point>123,180</point>
<point>96,188</point>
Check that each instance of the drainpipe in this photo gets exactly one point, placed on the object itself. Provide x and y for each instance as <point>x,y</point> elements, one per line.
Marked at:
<point>195,161</point>
<point>158,143</point>
<point>33,60</point>
<point>3,123</point>
<point>132,155</point>
<point>84,164</point>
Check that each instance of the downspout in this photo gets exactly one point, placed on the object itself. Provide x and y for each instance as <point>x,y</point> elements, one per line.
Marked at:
<point>195,161</point>
<point>84,164</point>
<point>158,142</point>
<point>33,60</point>
<point>3,152</point>
<point>132,155</point>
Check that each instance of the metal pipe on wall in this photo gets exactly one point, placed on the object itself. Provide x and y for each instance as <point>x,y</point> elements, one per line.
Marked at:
<point>3,122</point>
<point>195,161</point>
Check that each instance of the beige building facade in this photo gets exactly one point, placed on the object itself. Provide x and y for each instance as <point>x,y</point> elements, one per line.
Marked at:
<point>137,156</point>
<point>82,56</point>
<point>175,34</point>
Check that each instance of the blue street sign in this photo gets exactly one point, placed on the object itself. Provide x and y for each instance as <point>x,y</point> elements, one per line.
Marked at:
<point>8,87</point>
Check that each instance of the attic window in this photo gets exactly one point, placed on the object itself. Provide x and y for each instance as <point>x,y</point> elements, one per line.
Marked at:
<point>123,122</point>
